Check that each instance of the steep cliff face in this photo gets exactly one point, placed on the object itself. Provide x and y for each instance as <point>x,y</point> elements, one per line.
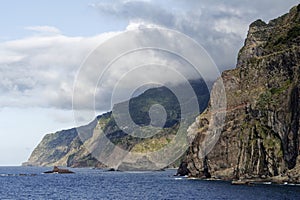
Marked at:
<point>260,137</point>
<point>63,148</point>
<point>69,148</point>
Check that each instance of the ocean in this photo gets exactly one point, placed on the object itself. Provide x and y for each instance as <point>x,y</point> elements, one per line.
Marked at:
<point>31,183</point>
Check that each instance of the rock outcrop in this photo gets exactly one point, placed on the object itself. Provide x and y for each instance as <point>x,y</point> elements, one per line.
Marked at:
<point>260,137</point>
<point>59,171</point>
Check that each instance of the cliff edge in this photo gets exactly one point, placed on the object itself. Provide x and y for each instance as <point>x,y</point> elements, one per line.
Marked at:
<point>260,137</point>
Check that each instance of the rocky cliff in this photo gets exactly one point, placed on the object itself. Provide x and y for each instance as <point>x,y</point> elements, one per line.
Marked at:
<point>260,137</point>
<point>69,148</point>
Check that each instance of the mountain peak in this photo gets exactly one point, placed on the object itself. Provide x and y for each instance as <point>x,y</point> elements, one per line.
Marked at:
<point>264,39</point>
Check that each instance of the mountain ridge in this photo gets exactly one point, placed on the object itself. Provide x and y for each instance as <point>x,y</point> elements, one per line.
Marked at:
<point>68,147</point>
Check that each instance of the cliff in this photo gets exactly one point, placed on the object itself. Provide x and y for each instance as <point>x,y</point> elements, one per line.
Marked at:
<point>67,148</point>
<point>260,137</point>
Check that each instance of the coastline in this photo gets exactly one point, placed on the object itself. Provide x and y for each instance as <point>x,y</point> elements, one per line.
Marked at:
<point>278,180</point>
<point>254,181</point>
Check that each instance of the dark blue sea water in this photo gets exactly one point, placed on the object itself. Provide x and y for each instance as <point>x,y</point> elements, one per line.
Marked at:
<point>99,184</point>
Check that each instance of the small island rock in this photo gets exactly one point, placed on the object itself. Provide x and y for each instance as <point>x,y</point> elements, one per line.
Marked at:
<point>59,171</point>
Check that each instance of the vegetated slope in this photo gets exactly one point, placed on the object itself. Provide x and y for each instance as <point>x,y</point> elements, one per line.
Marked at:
<point>67,148</point>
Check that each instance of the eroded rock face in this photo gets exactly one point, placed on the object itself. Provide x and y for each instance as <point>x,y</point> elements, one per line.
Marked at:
<point>260,137</point>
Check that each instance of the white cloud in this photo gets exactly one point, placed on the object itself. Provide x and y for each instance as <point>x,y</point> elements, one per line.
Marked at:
<point>39,71</point>
<point>139,24</point>
<point>10,57</point>
<point>169,53</point>
<point>44,29</point>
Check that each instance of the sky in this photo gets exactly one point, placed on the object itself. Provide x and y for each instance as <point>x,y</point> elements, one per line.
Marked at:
<point>43,45</point>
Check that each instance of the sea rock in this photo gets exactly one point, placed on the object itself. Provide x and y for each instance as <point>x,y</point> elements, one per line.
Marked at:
<point>183,170</point>
<point>59,171</point>
<point>260,137</point>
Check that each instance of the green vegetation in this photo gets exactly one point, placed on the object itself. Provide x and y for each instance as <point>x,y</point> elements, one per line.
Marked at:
<point>270,140</point>
<point>271,97</point>
<point>280,41</point>
<point>280,90</point>
<point>293,33</point>
<point>265,99</point>
<point>284,39</point>
<point>140,106</point>
<point>139,110</point>
<point>151,145</point>
<point>258,22</point>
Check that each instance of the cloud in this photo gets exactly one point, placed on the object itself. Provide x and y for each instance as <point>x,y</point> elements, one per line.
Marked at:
<point>39,71</point>
<point>130,65</point>
<point>220,27</point>
<point>44,29</point>
<point>145,10</point>
<point>216,31</point>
